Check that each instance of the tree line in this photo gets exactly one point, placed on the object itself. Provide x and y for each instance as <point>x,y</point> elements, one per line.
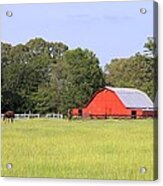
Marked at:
<point>43,77</point>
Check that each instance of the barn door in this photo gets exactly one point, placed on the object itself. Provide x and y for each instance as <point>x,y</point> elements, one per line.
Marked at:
<point>133,114</point>
<point>80,112</point>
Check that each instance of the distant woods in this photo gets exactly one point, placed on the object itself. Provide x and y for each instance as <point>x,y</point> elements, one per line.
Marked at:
<point>44,77</point>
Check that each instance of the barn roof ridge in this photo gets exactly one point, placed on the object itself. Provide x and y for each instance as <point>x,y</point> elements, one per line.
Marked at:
<point>123,89</point>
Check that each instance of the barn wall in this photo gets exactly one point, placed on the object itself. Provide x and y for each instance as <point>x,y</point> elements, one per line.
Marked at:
<point>75,112</point>
<point>152,114</point>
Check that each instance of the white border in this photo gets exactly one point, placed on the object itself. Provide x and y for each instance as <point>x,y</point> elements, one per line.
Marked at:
<point>66,182</point>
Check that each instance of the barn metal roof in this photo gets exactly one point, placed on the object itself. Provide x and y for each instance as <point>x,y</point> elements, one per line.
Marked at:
<point>133,98</point>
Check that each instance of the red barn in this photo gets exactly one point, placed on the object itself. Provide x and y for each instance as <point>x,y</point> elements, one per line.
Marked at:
<point>117,103</point>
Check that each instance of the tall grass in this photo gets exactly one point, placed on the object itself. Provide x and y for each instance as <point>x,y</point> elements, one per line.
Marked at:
<point>100,149</point>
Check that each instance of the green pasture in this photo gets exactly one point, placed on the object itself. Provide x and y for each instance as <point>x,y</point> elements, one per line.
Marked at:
<point>100,149</point>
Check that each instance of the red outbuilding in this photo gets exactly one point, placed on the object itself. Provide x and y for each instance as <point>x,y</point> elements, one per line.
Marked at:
<point>117,103</point>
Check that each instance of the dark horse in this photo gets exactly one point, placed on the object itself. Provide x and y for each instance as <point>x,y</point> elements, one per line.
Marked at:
<point>9,115</point>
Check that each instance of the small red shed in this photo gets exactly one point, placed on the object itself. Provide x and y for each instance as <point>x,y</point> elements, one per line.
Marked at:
<point>117,103</point>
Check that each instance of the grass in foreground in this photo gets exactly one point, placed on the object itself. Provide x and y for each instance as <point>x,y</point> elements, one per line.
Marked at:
<point>100,149</point>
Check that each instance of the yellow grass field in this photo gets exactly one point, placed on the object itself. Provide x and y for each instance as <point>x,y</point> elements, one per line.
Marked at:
<point>95,149</point>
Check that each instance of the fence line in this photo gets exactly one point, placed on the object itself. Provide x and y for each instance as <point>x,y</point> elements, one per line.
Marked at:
<point>53,115</point>
<point>28,116</point>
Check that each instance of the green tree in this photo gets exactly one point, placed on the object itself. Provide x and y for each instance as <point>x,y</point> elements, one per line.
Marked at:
<point>81,78</point>
<point>150,47</point>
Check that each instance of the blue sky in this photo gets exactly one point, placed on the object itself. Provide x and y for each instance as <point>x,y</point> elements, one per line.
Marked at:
<point>110,29</point>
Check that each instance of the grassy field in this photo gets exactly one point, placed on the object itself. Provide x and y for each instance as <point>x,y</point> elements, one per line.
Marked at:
<point>100,149</point>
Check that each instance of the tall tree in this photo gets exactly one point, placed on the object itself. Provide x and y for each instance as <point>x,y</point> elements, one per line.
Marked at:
<point>150,47</point>
<point>83,77</point>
